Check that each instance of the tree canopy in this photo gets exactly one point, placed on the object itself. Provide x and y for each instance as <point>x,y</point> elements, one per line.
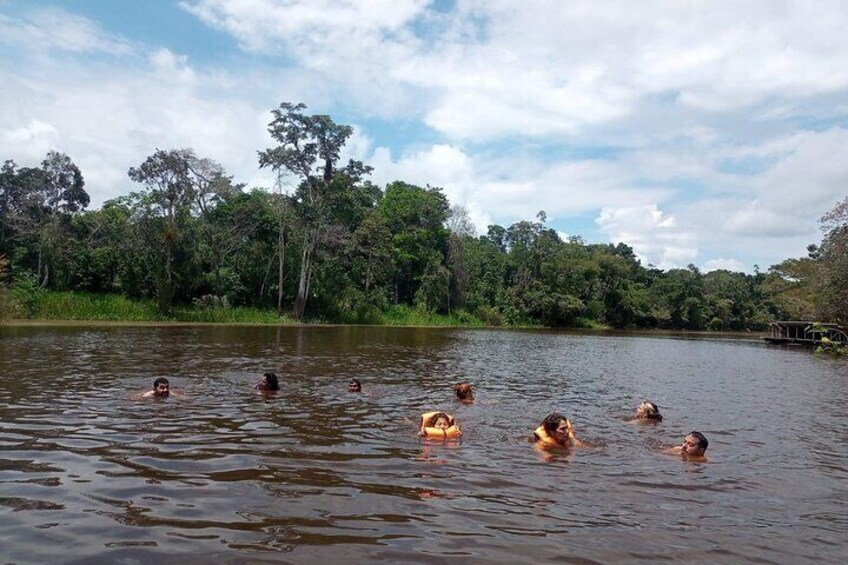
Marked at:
<point>338,248</point>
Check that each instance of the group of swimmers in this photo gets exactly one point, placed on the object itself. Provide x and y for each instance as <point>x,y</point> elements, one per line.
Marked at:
<point>555,431</point>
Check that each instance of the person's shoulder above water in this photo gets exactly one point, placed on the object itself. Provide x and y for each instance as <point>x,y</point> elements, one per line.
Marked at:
<point>268,383</point>
<point>556,431</point>
<point>438,425</point>
<point>693,448</point>
<point>647,413</point>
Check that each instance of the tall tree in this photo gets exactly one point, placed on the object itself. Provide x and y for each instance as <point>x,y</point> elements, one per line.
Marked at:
<point>309,149</point>
<point>63,195</point>
<point>462,231</point>
<point>166,174</point>
<point>416,218</point>
<point>833,258</point>
<point>35,210</point>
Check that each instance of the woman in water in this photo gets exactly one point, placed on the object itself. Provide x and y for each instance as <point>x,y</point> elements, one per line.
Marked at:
<point>268,383</point>
<point>647,412</point>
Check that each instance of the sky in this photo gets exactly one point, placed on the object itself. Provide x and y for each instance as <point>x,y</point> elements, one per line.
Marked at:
<point>712,133</point>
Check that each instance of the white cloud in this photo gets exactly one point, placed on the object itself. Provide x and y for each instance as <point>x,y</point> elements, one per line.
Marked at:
<point>438,165</point>
<point>266,25</point>
<point>57,29</point>
<point>655,237</point>
<point>676,125</point>
<point>170,64</point>
<point>33,140</point>
<point>491,69</point>
<point>130,112</point>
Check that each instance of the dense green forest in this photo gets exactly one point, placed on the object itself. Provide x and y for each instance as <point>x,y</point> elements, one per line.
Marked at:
<point>341,249</point>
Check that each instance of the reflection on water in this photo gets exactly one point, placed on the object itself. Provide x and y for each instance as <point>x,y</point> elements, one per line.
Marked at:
<point>88,474</point>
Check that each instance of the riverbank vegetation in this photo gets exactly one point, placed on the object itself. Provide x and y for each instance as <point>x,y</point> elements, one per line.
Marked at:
<point>187,242</point>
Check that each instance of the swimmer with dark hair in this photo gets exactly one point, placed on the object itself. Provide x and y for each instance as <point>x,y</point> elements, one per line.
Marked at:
<point>354,385</point>
<point>268,383</point>
<point>693,448</point>
<point>438,425</point>
<point>647,412</point>
<point>161,389</point>
<point>556,431</point>
<point>464,393</point>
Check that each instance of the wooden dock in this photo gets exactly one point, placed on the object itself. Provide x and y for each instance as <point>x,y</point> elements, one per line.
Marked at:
<point>801,332</point>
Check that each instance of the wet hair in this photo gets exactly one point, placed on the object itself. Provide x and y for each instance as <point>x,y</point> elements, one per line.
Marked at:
<point>160,381</point>
<point>464,392</point>
<point>435,418</point>
<point>551,423</point>
<point>271,379</point>
<point>652,411</point>
<point>702,440</point>
<point>355,383</point>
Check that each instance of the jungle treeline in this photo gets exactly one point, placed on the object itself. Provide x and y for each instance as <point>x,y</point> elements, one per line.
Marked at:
<point>325,244</point>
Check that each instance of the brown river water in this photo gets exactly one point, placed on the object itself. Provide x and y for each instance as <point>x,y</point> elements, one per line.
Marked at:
<point>316,474</point>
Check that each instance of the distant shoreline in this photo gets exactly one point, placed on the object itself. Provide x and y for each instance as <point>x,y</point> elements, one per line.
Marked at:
<point>652,332</point>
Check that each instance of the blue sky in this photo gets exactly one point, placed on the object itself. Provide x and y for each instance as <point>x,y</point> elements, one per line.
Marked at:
<point>700,132</point>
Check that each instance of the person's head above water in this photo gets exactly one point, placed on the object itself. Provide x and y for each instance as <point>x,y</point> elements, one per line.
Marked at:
<point>648,411</point>
<point>354,385</point>
<point>269,382</point>
<point>464,392</point>
<point>694,445</point>
<point>161,387</point>
<point>558,427</point>
<point>439,420</point>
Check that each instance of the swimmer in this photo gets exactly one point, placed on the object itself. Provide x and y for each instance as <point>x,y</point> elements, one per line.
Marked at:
<point>556,431</point>
<point>647,412</point>
<point>693,448</point>
<point>464,393</point>
<point>161,389</point>
<point>438,425</point>
<point>268,383</point>
<point>354,385</point>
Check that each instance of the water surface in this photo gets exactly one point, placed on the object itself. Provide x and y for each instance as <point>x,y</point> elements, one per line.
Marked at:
<point>88,474</point>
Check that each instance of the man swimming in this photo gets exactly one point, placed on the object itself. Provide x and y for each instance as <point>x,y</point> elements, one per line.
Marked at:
<point>161,389</point>
<point>556,431</point>
<point>693,448</point>
<point>354,385</point>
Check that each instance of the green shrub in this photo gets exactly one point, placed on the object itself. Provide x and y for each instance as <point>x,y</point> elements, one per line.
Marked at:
<point>490,316</point>
<point>716,325</point>
<point>6,306</point>
<point>26,295</point>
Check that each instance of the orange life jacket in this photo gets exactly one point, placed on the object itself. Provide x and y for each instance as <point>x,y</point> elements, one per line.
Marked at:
<point>450,432</point>
<point>542,435</point>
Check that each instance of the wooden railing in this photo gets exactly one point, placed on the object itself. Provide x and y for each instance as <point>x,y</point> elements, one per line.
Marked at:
<point>804,332</point>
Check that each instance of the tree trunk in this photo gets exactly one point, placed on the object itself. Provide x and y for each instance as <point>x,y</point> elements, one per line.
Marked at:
<point>166,290</point>
<point>305,275</point>
<point>368,273</point>
<point>281,250</point>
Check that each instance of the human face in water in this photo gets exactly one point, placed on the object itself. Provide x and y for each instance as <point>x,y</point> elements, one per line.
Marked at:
<point>691,446</point>
<point>563,431</point>
<point>442,423</point>
<point>162,389</point>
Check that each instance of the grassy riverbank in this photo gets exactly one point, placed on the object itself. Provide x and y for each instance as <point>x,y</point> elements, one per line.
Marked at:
<point>80,306</point>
